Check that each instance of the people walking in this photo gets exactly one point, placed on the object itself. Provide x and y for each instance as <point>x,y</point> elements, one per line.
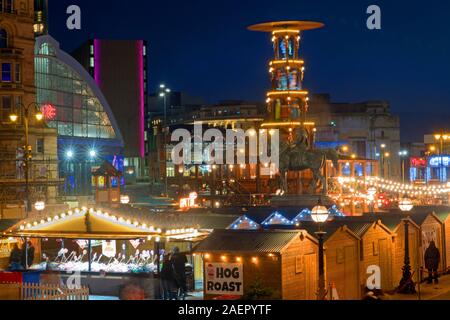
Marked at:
<point>432,260</point>
<point>179,261</point>
<point>167,279</point>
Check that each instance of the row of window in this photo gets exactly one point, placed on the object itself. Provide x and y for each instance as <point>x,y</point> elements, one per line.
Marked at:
<point>7,6</point>
<point>11,72</point>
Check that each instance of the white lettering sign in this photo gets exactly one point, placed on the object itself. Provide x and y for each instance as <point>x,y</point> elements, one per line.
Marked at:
<point>224,279</point>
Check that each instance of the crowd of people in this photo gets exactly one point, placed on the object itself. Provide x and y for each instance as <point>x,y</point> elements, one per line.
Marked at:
<point>173,276</point>
<point>21,258</point>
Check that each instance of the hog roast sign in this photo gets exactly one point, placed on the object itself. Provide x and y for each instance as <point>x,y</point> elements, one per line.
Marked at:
<point>224,279</point>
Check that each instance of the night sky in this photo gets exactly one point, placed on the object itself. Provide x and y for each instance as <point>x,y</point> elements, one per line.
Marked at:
<point>203,48</point>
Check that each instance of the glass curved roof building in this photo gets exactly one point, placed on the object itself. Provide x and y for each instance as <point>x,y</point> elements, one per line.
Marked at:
<point>73,104</point>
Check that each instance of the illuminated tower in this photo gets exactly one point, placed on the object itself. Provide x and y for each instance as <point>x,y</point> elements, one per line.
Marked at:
<point>40,17</point>
<point>287,101</point>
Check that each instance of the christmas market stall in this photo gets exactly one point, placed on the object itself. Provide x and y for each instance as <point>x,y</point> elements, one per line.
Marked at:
<point>376,249</point>
<point>432,229</point>
<point>95,241</point>
<point>396,223</point>
<point>245,264</point>
<point>342,259</point>
<point>444,215</point>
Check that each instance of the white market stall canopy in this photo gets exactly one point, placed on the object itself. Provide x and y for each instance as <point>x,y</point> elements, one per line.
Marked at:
<point>94,224</point>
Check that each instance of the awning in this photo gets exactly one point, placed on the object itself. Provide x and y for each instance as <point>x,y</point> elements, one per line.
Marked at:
<point>94,224</point>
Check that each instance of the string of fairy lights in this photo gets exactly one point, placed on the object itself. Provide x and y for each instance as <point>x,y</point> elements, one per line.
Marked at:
<point>395,187</point>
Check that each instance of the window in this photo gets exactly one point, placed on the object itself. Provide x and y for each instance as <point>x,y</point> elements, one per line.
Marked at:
<point>91,50</point>
<point>40,145</point>
<point>92,62</point>
<point>3,38</point>
<point>6,108</point>
<point>17,73</point>
<point>6,72</point>
<point>9,6</point>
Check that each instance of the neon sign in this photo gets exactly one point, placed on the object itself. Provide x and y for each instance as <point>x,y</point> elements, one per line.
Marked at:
<point>186,203</point>
<point>49,111</point>
<point>443,161</point>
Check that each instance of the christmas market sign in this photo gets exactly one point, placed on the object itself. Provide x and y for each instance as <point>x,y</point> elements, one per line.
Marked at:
<point>224,279</point>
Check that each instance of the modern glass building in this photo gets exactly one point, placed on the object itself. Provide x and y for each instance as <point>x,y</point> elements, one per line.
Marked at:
<point>73,104</point>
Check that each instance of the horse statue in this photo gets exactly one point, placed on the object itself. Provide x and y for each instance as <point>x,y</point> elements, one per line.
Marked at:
<point>296,156</point>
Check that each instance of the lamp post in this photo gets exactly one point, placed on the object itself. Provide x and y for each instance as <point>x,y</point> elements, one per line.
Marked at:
<point>371,192</point>
<point>163,94</point>
<point>382,155</point>
<point>320,215</point>
<point>403,155</point>
<point>407,285</point>
<point>441,138</point>
<point>14,117</point>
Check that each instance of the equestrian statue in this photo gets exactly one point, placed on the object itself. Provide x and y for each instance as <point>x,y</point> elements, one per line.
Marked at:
<point>295,155</point>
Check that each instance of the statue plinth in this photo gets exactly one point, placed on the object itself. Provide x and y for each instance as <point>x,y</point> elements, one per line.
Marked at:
<point>301,201</point>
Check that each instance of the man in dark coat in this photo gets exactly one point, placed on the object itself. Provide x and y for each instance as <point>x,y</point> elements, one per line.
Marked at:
<point>432,260</point>
<point>167,279</point>
<point>179,261</point>
<point>15,259</point>
<point>29,258</point>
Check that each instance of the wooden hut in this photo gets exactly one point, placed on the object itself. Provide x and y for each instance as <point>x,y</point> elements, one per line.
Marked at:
<point>432,229</point>
<point>443,213</point>
<point>106,191</point>
<point>376,249</point>
<point>396,223</point>
<point>283,264</point>
<point>342,249</point>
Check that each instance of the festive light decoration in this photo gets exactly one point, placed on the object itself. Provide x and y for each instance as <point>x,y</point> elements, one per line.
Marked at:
<point>395,187</point>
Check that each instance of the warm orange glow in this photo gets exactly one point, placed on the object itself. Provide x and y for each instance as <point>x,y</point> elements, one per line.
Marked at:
<point>239,259</point>
<point>286,124</point>
<point>286,31</point>
<point>255,260</point>
<point>39,116</point>
<point>282,93</point>
<point>14,117</point>
<point>207,256</point>
<point>284,62</point>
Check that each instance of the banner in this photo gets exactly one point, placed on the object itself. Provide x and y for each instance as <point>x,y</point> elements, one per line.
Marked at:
<point>224,279</point>
<point>109,248</point>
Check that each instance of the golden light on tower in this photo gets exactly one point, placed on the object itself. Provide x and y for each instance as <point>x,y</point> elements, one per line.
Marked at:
<point>287,101</point>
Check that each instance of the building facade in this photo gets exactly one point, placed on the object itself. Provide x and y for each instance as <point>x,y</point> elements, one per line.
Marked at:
<point>17,93</point>
<point>73,104</point>
<point>367,130</point>
<point>119,67</point>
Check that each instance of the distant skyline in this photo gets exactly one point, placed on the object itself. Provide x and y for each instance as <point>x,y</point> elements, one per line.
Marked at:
<point>203,48</point>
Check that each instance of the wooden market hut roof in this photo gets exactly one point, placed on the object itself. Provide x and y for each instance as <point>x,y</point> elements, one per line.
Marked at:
<point>107,170</point>
<point>248,241</point>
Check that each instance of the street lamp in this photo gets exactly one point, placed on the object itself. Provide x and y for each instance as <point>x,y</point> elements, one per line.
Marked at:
<point>441,138</point>
<point>407,285</point>
<point>403,155</point>
<point>39,206</point>
<point>14,117</point>
<point>124,199</point>
<point>164,91</point>
<point>320,215</point>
